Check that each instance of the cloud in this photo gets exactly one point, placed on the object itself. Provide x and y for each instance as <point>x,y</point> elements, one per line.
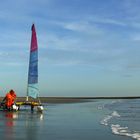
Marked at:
<point>135,37</point>
<point>133,66</point>
<point>107,20</point>
<point>14,64</point>
<point>85,38</point>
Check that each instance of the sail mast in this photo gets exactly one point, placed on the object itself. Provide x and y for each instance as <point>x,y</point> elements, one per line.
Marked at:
<point>32,88</point>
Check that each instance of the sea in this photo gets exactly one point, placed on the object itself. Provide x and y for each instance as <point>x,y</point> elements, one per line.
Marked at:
<point>93,120</point>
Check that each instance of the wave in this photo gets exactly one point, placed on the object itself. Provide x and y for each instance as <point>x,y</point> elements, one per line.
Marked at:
<point>105,120</point>
<point>100,107</point>
<point>124,131</point>
<point>129,113</point>
<point>109,117</point>
<point>119,130</point>
<point>115,114</point>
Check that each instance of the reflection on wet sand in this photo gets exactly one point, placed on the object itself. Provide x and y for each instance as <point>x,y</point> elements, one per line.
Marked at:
<point>32,125</point>
<point>10,116</point>
<point>20,125</point>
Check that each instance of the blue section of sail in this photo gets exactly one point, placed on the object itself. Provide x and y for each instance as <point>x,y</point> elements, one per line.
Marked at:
<point>33,75</point>
<point>33,90</point>
<point>34,56</point>
<point>33,68</point>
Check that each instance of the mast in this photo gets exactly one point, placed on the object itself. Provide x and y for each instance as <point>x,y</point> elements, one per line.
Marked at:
<point>32,87</point>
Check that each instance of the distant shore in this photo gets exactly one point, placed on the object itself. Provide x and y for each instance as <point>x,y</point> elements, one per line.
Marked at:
<point>72,99</point>
<point>78,99</point>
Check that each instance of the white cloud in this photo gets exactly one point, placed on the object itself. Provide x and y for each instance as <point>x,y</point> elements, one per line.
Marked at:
<point>107,20</point>
<point>135,37</point>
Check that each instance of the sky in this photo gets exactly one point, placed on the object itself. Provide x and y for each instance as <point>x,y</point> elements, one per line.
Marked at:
<point>86,47</point>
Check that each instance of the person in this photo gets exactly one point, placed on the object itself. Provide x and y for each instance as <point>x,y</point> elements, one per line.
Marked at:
<point>9,99</point>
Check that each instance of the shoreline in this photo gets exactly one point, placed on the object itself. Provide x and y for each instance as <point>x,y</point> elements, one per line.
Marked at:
<point>78,99</point>
<point>71,99</point>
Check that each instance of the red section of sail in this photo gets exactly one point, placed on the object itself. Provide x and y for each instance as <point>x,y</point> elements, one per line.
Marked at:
<point>34,45</point>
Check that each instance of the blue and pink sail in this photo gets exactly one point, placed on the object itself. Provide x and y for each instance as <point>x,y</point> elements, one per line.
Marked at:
<point>32,89</point>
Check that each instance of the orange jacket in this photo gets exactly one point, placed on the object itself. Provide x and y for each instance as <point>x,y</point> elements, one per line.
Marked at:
<point>10,98</point>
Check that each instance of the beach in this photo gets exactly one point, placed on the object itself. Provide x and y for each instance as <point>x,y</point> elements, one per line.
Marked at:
<point>61,100</point>
<point>95,119</point>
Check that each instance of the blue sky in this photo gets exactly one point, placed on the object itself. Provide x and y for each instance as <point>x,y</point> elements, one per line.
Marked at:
<point>86,47</point>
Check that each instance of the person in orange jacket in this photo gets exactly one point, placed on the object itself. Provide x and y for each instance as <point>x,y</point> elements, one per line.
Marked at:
<point>9,99</point>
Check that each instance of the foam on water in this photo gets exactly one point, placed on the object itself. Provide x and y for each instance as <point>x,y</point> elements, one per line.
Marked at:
<point>115,114</point>
<point>107,118</point>
<point>127,114</point>
<point>124,131</point>
<point>100,107</point>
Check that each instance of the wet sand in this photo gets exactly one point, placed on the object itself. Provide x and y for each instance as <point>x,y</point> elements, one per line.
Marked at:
<point>74,121</point>
<point>56,100</point>
<point>61,100</point>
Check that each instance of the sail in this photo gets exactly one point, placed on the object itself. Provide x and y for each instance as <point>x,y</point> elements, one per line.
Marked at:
<point>32,89</point>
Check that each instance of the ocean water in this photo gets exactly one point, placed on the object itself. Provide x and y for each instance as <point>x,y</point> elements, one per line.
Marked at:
<point>96,120</point>
<point>124,118</point>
